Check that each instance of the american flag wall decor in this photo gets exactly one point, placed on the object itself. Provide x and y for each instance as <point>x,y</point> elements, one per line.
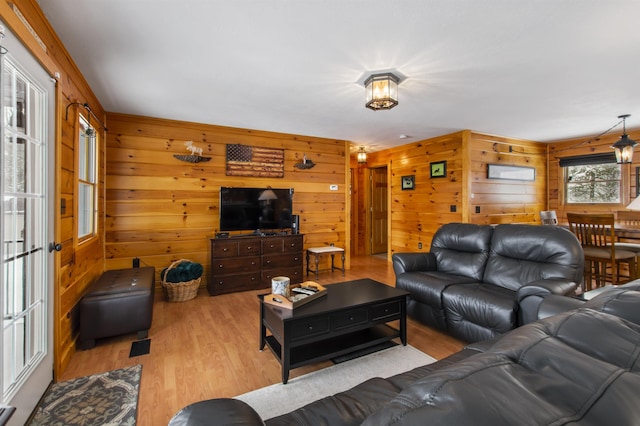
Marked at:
<point>255,161</point>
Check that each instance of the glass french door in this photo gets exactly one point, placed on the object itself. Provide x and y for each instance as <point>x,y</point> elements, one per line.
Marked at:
<point>26,269</point>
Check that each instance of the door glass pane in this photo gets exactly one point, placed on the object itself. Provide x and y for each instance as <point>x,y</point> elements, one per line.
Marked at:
<point>23,228</point>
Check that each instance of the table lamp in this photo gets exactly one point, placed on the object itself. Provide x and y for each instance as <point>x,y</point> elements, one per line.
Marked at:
<point>634,205</point>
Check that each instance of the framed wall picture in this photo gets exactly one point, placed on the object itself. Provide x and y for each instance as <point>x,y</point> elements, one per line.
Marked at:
<point>499,171</point>
<point>438,169</point>
<point>408,182</point>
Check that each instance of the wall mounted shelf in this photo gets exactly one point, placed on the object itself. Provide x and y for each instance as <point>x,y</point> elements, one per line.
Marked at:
<point>192,158</point>
<point>303,165</point>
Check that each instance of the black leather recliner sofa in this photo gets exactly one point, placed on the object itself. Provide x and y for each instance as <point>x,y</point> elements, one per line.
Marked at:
<point>474,279</point>
<point>580,367</point>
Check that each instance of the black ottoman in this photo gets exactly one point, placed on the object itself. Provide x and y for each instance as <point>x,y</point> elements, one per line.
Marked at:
<point>119,302</point>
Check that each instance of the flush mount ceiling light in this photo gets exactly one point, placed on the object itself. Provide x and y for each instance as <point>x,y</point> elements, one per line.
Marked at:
<point>624,147</point>
<point>362,155</point>
<point>381,91</point>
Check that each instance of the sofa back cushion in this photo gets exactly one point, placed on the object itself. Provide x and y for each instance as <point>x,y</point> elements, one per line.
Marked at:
<point>521,254</point>
<point>462,249</point>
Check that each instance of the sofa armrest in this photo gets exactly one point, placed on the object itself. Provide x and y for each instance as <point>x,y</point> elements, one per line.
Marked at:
<point>220,411</point>
<point>531,295</point>
<point>408,262</point>
<point>554,305</point>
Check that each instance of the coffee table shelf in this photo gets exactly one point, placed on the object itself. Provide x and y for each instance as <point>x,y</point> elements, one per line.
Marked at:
<point>352,316</point>
<point>341,345</point>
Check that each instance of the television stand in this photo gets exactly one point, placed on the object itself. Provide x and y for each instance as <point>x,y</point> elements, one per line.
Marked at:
<point>249,262</point>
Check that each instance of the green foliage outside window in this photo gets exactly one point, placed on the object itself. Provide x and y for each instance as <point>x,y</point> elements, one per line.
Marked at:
<point>593,183</point>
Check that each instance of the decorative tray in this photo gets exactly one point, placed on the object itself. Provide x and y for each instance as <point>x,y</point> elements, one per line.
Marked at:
<point>296,299</point>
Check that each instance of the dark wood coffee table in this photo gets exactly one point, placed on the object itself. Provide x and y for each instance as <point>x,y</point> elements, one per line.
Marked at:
<point>354,315</point>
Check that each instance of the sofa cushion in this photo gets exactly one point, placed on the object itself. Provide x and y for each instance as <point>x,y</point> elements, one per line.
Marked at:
<point>462,249</point>
<point>350,407</point>
<point>581,366</point>
<point>477,312</point>
<point>524,253</point>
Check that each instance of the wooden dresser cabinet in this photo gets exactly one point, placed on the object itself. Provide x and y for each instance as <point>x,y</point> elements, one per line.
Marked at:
<point>249,263</point>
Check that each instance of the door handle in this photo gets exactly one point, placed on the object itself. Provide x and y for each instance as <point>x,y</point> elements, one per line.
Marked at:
<point>55,246</point>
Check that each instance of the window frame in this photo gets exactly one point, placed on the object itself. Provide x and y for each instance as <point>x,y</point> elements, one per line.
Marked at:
<point>595,159</point>
<point>86,177</point>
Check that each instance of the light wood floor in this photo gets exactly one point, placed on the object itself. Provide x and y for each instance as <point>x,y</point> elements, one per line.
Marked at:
<point>208,347</point>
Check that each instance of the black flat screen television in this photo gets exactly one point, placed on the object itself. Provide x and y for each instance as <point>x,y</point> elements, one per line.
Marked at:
<point>243,209</point>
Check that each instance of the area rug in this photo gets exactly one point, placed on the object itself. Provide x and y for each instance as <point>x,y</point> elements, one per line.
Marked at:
<point>109,398</point>
<point>274,400</point>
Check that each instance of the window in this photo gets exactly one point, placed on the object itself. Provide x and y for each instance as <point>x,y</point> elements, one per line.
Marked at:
<point>87,162</point>
<point>592,179</point>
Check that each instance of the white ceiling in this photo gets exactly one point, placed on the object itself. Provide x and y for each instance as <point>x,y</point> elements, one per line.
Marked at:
<point>538,69</point>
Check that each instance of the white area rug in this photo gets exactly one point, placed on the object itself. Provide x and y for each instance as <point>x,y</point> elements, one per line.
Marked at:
<point>278,399</point>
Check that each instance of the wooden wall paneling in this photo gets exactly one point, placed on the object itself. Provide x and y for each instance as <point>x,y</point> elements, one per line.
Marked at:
<point>586,146</point>
<point>160,209</point>
<point>506,201</point>
<point>71,87</point>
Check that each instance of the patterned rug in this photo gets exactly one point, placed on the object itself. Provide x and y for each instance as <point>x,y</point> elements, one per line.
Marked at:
<point>109,398</point>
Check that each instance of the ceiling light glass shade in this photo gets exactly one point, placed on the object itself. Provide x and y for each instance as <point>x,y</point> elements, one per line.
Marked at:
<point>362,155</point>
<point>624,147</point>
<point>381,91</point>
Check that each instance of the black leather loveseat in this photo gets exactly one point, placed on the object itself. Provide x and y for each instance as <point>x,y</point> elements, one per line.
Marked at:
<point>580,367</point>
<point>474,278</point>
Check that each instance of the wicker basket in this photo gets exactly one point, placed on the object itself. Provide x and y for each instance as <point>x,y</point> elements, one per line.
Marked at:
<point>182,291</point>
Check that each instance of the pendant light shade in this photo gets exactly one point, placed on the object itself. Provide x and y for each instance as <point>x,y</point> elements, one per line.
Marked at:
<point>624,146</point>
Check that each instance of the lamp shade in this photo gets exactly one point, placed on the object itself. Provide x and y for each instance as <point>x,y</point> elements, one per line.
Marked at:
<point>267,194</point>
<point>635,204</point>
<point>381,91</point>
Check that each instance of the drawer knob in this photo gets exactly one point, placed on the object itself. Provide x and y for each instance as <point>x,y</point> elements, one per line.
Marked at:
<point>220,266</point>
<point>268,262</point>
<point>351,318</point>
<point>310,328</point>
<point>225,249</point>
<point>295,258</point>
<point>248,247</point>
<point>272,246</point>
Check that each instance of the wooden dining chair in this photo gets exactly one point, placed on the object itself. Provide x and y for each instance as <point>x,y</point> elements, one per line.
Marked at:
<point>596,233</point>
<point>628,217</point>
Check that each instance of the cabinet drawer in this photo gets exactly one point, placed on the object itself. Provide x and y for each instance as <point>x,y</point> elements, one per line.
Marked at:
<point>281,260</point>
<point>385,310</point>
<point>349,319</point>
<point>292,244</point>
<point>247,247</point>
<point>310,327</point>
<point>237,282</point>
<point>272,245</point>
<point>294,274</point>
<point>224,248</point>
<point>239,264</point>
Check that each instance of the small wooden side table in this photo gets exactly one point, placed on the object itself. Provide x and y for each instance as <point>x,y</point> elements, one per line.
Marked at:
<point>317,251</point>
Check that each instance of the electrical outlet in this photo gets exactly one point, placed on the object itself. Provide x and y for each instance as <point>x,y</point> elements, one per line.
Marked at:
<point>333,187</point>
<point>420,246</point>
<point>452,208</point>
<point>477,209</point>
